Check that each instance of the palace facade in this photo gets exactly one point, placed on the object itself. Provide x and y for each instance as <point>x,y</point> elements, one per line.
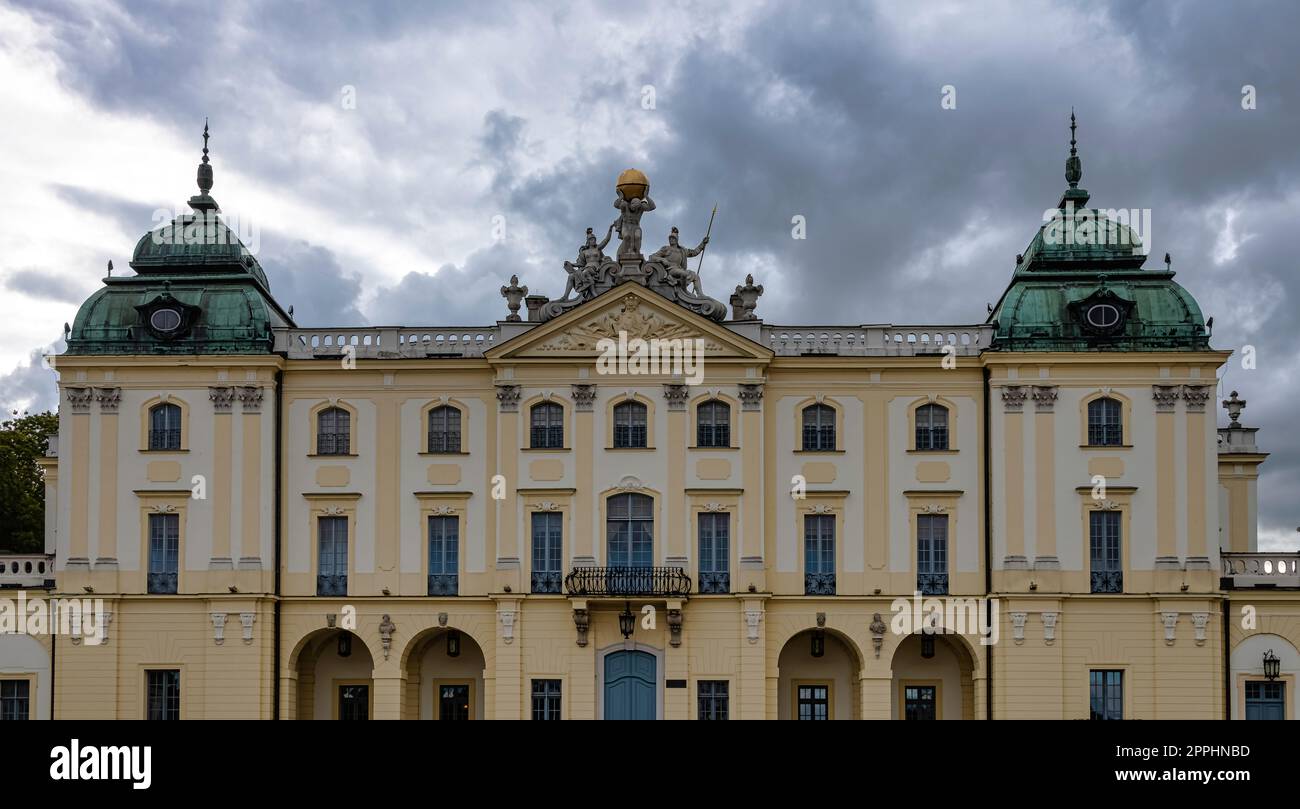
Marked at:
<point>501,522</point>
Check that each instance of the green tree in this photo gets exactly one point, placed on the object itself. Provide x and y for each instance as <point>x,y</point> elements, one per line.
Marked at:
<point>22,486</point>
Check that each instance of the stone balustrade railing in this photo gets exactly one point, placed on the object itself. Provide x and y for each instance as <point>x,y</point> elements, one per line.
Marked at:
<point>26,570</point>
<point>1281,569</point>
<point>876,341</point>
<point>385,342</point>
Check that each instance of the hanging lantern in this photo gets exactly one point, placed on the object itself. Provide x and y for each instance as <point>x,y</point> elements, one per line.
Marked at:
<point>626,620</point>
<point>927,645</point>
<point>345,644</point>
<point>818,643</point>
<point>453,644</point>
<point>1272,666</point>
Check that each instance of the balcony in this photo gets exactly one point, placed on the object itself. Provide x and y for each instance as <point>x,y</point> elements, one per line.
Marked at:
<point>26,571</point>
<point>621,582</point>
<point>1260,570</point>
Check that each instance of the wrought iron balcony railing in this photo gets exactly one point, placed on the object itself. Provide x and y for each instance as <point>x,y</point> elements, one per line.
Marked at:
<point>714,583</point>
<point>819,584</point>
<point>1107,581</point>
<point>932,584</point>
<point>162,583</point>
<point>548,582</point>
<point>444,584</point>
<point>628,581</point>
<point>327,585</point>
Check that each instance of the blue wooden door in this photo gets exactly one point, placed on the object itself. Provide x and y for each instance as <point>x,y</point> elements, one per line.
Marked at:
<point>630,685</point>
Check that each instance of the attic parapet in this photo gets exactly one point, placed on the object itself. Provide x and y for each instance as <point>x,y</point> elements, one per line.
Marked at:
<point>881,340</point>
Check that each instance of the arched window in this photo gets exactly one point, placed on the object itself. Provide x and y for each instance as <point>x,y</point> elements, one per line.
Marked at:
<point>444,429</point>
<point>1105,422</point>
<point>713,424</point>
<point>333,431</point>
<point>629,530</point>
<point>931,427</point>
<point>819,427</point>
<point>547,426</point>
<point>165,426</point>
<point>629,425</point>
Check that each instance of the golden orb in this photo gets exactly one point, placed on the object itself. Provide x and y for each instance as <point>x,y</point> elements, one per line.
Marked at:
<point>633,184</point>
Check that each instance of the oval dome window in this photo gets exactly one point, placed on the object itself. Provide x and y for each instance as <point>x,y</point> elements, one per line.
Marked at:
<point>165,320</point>
<point>1103,316</point>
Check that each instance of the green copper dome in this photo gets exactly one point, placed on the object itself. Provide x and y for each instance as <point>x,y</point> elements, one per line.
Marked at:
<point>197,290</point>
<point>1080,286</point>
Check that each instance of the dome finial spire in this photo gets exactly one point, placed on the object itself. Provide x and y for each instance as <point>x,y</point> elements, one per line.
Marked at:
<point>1073,166</point>
<point>203,201</point>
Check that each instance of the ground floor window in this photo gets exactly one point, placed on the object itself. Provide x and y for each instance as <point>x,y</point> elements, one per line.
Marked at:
<point>920,702</point>
<point>1106,694</point>
<point>454,701</point>
<point>163,697</point>
<point>1265,700</point>
<point>15,699</point>
<point>713,698</point>
<point>546,699</point>
<point>354,701</point>
<point>813,701</point>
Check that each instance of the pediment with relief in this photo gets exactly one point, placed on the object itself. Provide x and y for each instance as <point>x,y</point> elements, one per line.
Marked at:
<point>631,318</point>
<point>634,315</point>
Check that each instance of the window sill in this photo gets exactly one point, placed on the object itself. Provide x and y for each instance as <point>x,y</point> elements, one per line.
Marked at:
<point>819,452</point>
<point>630,449</point>
<point>714,449</point>
<point>546,449</point>
<point>444,454</point>
<point>164,451</point>
<point>332,455</point>
<point>1105,446</point>
<point>933,451</point>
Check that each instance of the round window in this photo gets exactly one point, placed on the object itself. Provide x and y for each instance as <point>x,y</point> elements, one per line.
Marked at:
<point>165,320</point>
<point>1103,316</point>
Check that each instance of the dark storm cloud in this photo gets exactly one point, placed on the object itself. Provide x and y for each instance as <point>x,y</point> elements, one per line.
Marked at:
<point>32,386</point>
<point>310,279</point>
<point>828,111</point>
<point>40,283</point>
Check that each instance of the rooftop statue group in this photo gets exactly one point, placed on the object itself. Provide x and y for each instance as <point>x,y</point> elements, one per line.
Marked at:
<point>665,271</point>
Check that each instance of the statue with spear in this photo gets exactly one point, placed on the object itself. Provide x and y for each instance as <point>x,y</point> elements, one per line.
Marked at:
<point>672,260</point>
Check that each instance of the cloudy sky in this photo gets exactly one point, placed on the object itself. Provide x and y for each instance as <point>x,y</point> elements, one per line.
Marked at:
<point>372,151</point>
